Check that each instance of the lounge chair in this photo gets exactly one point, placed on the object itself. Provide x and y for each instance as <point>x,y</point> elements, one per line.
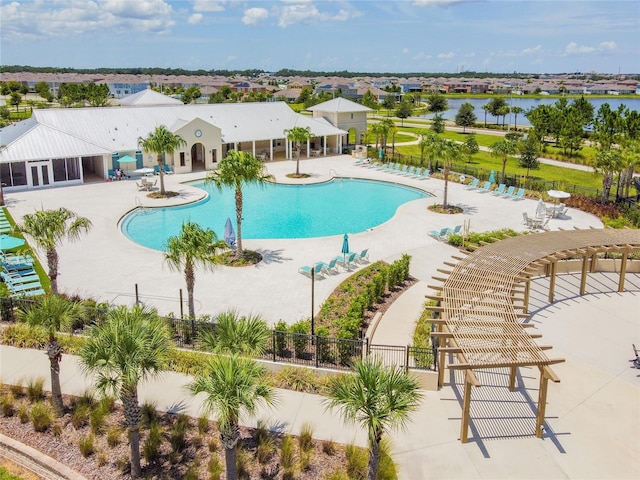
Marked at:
<point>167,169</point>
<point>410,171</point>
<point>508,193</point>
<point>156,169</point>
<point>519,195</point>
<point>485,188</point>
<point>402,171</point>
<point>330,267</point>
<point>417,173</point>
<point>455,231</point>
<point>346,260</point>
<point>141,186</point>
<point>439,235</point>
<point>473,185</point>
<point>362,257</point>
<point>425,174</point>
<point>387,166</point>
<point>316,270</point>
<point>499,190</point>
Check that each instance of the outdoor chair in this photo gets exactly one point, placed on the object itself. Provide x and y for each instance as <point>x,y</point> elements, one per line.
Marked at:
<point>417,173</point>
<point>141,186</point>
<point>156,169</point>
<point>456,230</point>
<point>508,193</point>
<point>499,190</point>
<point>403,170</point>
<point>316,269</point>
<point>485,188</point>
<point>330,267</point>
<point>439,235</point>
<point>167,169</point>
<point>362,257</point>
<point>425,174</point>
<point>346,260</point>
<point>410,171</point>
<point>473,185</point>
<point>519,195</point>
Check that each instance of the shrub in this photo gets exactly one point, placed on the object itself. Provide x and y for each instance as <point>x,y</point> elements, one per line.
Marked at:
<point>41,416</point>
<point>386,467</point>
<point>300,331</point>
<point>80,415</point>
<point>191,473</point>
<point>56,429</point>
<point>86,445</point>
<point>214,445</point>
<point>243,463</point>
<point>148,414</point>
<point>102,459</point>
<point>305,439</point>
<point>97,419</point>
<point>280,337</point>
<point>287,453</point>
<point>113,436</point>
<point>323,348</point>
<point>23,413</point>
<point>299,379</point>
<point>357,459</point>
<point>203,424</point>
<point>151,446</point>
<point>178,434</point>
<point>35,389</point>
<point>16,390</point>
<point>215,468</point>
<point>329,447</point>
<point>7,405</point>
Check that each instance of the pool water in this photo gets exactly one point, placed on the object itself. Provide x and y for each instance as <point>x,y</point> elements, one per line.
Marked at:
<point>277,211</point>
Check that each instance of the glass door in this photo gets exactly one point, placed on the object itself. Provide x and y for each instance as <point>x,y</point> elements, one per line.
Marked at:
<point>40,174</point>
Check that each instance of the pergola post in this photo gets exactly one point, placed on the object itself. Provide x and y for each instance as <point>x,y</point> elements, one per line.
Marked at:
<point>552,280</point>
<point>466,408</point>
<point>623,270</point>
<point>583,276</point>
<point>542,402</point>
<point>512,378</point>
<point>594,259</point>
<point>527,293</point>
<point>441,358</point>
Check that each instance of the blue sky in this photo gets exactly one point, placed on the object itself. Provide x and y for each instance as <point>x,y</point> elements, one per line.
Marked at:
<point>500,36</point>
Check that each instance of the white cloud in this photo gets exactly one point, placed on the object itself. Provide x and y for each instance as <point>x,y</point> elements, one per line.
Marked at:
<point>208,6</point>
<point>405,50</point>
<point>446,55</point>
<point>422,56</point>
<point>573,49</point>
<point>437,3</point>
<point>195,18</point>
<point>607,45</point>
<point>305,12</point>
<point>532,51</point>
<point>40,20</point>
<point>255,16</point>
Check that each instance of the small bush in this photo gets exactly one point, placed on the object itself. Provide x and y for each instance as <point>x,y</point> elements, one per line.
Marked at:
<point>56,429</point>
<point>386,467</point>
<point>203,425</point>
<point>178,434</point>
<point>299,379</point>
<point>16,390</point>
<point>35,389</point>
<point>102,459</point>
<point>329,447</point>
<point>86,444</point>
<point>191,473</point>
<point>23,414</point>
<point>148,414</point>
<point>243,463</point>
<point>214,445</point>
<point>305,458</point>
<point>337,475</point>
<point>122,464</point>
<point>8,405</point>
<point>151,446</point>
<point>287,453</point>
<point>357,459</point>
<point>113,436</point>
<point>215,468</point>
<point>80,415</point>
<point>41,416</point>
<point>265,450</point>
<point>305,439</point>
<point>97,419</point>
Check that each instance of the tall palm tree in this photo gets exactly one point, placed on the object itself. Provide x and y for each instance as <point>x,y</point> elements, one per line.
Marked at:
<point>434,146</point>
<point>233,386</point>
<point>377,398</point>
<point>236,334</point>
<point>55,313</point>
<point>194,246</point>
<point>607,163</point>
<point>49,228</point>
<point>235,170</point>
<point>503,148</point>
<point>130,347</point>
<point>450,152</point>
<point>161,141</point>
<point>297,135</point>
<point>387,127</point>
<point>516,111</point>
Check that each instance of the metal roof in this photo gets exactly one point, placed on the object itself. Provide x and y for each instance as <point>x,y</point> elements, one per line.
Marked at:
<point>91,131</point>
<point>339,105</point>
<point>147,97</point>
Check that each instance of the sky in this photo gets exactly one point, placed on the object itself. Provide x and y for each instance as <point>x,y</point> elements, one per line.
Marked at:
<point>400,36</point>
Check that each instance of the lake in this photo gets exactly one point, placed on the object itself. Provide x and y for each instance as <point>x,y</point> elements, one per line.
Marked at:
<point>526,104</point>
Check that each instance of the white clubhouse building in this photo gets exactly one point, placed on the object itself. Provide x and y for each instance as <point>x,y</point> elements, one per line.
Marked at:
<point>75,145</point>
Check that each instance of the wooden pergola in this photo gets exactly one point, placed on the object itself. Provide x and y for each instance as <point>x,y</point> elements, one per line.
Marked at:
<point>485,296</point>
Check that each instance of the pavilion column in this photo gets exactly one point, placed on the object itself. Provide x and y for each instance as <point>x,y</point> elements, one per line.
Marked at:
<point>623,270</point>
<point>583,276</point>
<point>324,146</point>
<point>271,150</point>
<point>253,148</point>
<point>552,280</point>
<point>308,147</point>
<point>466,408</point>
<point>542,402</point>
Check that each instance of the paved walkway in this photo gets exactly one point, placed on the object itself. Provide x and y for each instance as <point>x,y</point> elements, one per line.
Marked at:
<point>593,415</point>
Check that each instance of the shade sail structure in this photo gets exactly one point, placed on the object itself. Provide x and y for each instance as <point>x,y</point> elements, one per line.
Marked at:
<point>7,242</point>
<point>229,234</point>
<point>127,159</point>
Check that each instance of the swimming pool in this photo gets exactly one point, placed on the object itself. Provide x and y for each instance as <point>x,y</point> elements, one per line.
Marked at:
<point>278,211</point>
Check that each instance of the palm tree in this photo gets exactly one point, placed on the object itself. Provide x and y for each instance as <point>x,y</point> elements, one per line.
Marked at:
<point>298,135</point>
<point>503,148</point>
<point>194,246</point>
<point>161,141</point>
<point>236,334</point>
<point>235,170</point>
<point>450,152</point>
<point>434,146</point>
<point>55,313</point>
<point>377,398</point>
<point>607,163</point>
<point>516,111</point>
<point>233,385</point>
<point>386,126</point>
<point>130,347</point>
<point>48,228</point>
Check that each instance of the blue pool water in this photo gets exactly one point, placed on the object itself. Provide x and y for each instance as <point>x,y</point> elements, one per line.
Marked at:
<point>278,211</point>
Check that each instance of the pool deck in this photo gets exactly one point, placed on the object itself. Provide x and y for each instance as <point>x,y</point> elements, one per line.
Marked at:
<point>106,266</point>
<point>593,415</point>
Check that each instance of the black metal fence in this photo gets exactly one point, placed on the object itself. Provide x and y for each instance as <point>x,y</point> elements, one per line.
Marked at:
<point>282,347</point>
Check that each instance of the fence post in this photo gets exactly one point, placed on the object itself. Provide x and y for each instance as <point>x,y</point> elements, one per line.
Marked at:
<point>406,359</point>
<point>273,343</point>
<point>366,347</point>
<point>316,345</point>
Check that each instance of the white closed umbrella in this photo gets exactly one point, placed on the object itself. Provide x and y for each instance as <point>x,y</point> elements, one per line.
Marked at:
<point>541,209</point>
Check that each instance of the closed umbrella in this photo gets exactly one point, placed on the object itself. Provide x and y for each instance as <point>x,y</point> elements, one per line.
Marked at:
<point>229,234</point>
<point>345,247</point>
<point>541,210</point>
<point>492,176</point>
